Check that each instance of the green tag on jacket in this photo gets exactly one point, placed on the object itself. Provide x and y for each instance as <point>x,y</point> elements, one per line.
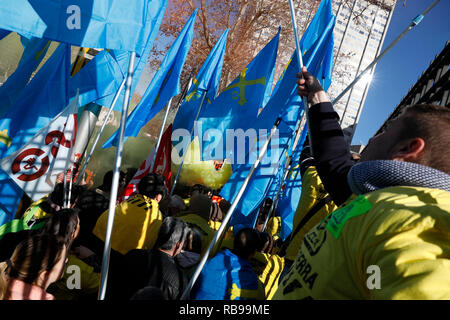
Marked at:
<point>339,217</point>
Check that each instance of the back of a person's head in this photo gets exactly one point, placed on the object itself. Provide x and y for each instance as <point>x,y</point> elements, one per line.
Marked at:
<point>432,124</point>
<point>63,224</point>
<point>200,189</point>
<point>246,242</point>
<point>201,204</point>
<point>57,196</point>
<point>266,242</point>
<point>172,231</point>
<point>108,178</point>
<point>148,293</point>
<point>31,257</point>
<point>152,185</point>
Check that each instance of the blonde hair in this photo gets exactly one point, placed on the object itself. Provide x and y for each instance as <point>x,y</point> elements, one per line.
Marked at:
<point>31,257</point>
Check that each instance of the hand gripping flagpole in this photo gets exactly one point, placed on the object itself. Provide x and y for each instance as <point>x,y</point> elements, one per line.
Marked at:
<point>229,213</point>
<point>113,103</point>
<point>300,63</point>
<point>115,180</point>
<point>414,23</point>
<point>185,151</point>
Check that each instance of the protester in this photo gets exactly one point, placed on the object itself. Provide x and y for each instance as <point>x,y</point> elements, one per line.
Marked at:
<point>136,220</point>
<point>35,264</point>
<point>35,218</point>
<point>229,275</point>
<point>197,217</point>
<point>387,241</point>
<point>315,205</point>
<point>155,267</point>
<point>93,202</point>
<point>190,255</point>
<point>66,225</point>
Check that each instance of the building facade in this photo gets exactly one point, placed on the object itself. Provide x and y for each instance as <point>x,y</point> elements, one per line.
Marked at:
<point>432,87</point>
<point>359,34</point>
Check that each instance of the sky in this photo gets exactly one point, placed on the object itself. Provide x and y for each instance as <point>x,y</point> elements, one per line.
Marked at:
<point>400,68</point>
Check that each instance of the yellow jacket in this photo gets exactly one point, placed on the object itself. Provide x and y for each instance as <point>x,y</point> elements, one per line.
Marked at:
<point>393,243</point>
<point>313,192</point>
<point>79,281</point>
<point>136,224</point>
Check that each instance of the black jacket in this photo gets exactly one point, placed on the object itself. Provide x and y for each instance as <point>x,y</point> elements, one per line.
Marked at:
<point>332,155</point>
<point>142,268</point>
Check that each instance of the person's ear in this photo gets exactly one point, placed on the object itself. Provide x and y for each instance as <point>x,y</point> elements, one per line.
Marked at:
<point>409,150</point>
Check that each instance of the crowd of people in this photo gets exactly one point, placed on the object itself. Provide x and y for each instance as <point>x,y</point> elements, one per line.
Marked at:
<point>369,226</point>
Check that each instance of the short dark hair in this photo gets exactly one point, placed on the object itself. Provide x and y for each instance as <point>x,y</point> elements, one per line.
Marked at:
<point>246,242</point>
<point>152,184</point>
<point>57,195</point>
<point>172,231</point>
<point>432,124</point>
<point>107,180</point>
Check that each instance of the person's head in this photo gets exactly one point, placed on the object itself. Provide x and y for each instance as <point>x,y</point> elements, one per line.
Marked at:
<point>38,260</point>
<point>56,198</point>
<point>266,242</point>
<point>108,178</point>
<point>171,236</point>
<point>171,206</point>
<point>149,293</point>
<point>64,224</point>
<point>420,134</point>
<point>201,189</point>
<point>246,243</point>
<point>201,204</point>
<point>153,186</point>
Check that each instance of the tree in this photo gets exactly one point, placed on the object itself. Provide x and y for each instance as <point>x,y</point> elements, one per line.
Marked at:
<point>251,24</point>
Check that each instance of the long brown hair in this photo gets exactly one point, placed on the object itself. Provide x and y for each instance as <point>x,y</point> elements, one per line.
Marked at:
<point>31,257</point>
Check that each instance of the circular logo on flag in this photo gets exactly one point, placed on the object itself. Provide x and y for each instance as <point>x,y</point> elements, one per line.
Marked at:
<point>30,164</point>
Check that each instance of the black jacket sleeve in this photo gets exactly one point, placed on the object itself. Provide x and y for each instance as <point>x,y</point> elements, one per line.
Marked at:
<point>331,151</point>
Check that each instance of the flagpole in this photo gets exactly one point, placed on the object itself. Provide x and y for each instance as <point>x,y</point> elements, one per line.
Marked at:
<point>300,63</point>
<point>161,134</point>
<point>184,154</point>
<point>97,138</point>
<point>227,218</point>
<point>413,23</point>
<point>115,180</point>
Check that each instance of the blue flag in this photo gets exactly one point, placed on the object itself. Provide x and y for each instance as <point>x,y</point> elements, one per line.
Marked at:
<point>206,82</point>
<point>112,24</point>
<point>32,56</point>
<point>165,84</point>
<point>266,178</point>
<point>4,33</point>
<point>123,57</point>
<point>98,80</point>
<point>237,106</point>
<point>41,100</point>
<point>290,191</point>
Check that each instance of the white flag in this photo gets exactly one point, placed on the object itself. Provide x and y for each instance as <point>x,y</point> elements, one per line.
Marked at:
<point>37,164</point>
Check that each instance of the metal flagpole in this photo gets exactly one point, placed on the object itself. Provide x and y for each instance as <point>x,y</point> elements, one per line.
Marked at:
<point>165,118</point>
<point>116,97</point>
<point>287,168</point>
<point>161,134</point>
<point>115,180</point>
<point>300,63</point>
<point>229,213</point>
<point>414,23</point>
<point>184,154</point>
